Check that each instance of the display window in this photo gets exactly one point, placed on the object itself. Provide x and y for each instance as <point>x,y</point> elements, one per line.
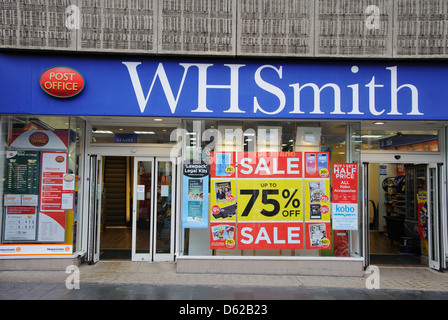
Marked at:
<point>271,188</point>
<point>41,159</point>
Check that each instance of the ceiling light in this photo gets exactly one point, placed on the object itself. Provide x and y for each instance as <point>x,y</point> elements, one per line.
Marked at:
<point>157,119</point>
<point>103,131</point>
<point>144,132</point>
<point>379,123</point>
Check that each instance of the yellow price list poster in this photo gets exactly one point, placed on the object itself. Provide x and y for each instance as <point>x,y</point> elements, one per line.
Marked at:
<point>317,200</point>
<point>223,200</point>
<point>264,200</point>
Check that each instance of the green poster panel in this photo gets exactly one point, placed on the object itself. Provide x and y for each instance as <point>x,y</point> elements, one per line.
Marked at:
<point>22,172</point>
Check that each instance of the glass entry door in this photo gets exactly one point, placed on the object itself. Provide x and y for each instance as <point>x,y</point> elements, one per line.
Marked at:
<point>95,206</point>
<point>404,205</point>
<point>435,199</point>
<point>153,209</point>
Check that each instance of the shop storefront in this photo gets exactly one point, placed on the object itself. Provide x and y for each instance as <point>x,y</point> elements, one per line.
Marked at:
<point>226,166</point>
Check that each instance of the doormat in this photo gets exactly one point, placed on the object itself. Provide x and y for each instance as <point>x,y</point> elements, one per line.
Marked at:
<point>395,259</point>
<point>115,254</point>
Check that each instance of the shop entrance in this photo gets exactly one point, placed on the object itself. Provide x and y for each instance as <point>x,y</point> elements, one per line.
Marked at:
<point>131,208</point>
<point>403,203</point>
<point>153,209</point>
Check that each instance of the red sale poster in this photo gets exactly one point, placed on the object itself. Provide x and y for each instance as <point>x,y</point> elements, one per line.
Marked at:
<point>318,235</point>
<point>270,235</point>
<point>270,200</point>
<point>270,165</point>
<point>222,235</point>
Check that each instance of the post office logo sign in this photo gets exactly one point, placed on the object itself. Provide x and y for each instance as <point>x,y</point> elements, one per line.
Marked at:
<point>62,82</point>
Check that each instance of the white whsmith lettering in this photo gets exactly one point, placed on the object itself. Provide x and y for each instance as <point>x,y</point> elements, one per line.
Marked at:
<point>295,94</point>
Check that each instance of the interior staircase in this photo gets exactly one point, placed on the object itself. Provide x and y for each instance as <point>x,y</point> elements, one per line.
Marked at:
<point>115,188</point>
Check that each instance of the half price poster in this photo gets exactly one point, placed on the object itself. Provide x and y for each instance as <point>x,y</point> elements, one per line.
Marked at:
<point>345,196</point>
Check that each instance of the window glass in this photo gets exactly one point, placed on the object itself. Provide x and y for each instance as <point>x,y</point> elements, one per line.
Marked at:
<point>234,201</point>
<point>41,161</point>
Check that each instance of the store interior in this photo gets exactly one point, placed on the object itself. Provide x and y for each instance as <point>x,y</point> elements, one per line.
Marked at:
<point>117,207</point>
<point>397,201</point>
<point>116,226</point>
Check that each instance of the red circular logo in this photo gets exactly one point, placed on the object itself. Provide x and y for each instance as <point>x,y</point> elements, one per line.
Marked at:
<point>62,82</point>
<point>60,159</point>
<point>38,139</point>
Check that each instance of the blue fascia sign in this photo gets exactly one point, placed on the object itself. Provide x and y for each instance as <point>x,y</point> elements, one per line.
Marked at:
<point>282,89</point>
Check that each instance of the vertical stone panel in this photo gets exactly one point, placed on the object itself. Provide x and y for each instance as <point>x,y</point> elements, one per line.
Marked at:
<point>354,28</point>
<point>118,25</point>
<point>420,28</point>
<point>273,27</point>
<point>197,26</point>
<point>37,24</point>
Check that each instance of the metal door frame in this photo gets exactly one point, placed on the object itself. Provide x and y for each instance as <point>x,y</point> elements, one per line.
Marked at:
<point>148,255</point>
<point>171,255</point>
<point>435,201</point>
<point>95,197</point>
